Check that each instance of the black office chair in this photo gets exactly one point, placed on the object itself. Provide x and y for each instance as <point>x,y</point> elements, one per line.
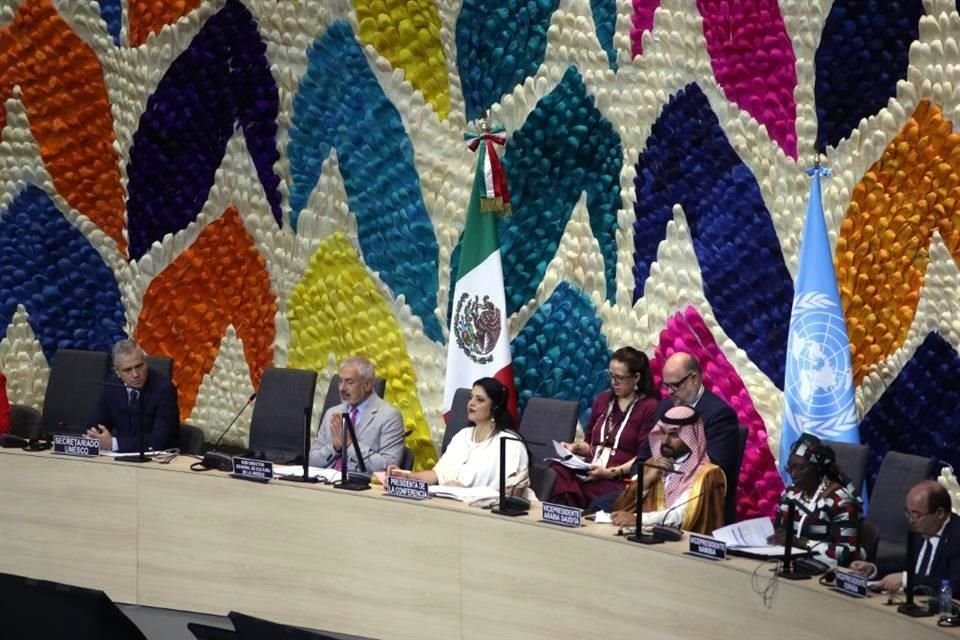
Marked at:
<point>542,479</point>
<point>547,419</point>
<point>191,439</point>
<point>332,398</point>
<point>277,423</point>
<point>25,421</point>
<point>250,628</point>
<point>162,365</point>
<point>74,388</point>
<point>852,460</point>
<point>456,419</point>
<point>898,473</point>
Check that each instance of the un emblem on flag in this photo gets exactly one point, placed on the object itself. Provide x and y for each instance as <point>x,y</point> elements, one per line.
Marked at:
<point>819,387</point>
<point>477,327</point>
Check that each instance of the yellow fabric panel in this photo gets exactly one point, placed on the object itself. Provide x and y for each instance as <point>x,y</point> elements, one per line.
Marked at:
<point>407,33</point>
<point>337,309</point>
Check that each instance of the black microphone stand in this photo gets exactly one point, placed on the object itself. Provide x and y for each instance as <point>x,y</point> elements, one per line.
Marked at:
<point>638,535</point>
<point>510,505</point>
<point>306,453</point>
<point>356,481</point>
<point>910,608</point>
<point>787,570</point>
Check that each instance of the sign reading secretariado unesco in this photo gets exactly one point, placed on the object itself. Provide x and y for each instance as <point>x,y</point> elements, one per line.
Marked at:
<point>76,446</point>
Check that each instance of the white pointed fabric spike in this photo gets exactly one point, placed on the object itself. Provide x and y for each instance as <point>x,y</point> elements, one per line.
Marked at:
<point>23,362</point>
<point>949,481</point>
<point>222,392</point>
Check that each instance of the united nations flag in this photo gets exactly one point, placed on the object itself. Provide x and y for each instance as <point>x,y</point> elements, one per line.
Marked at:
<point>818,386</point>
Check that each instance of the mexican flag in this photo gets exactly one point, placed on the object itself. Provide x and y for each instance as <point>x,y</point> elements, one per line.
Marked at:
<point>479,343</point>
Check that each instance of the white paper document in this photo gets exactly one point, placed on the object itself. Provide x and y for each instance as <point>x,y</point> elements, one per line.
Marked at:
<point>325,475</point>
<point>463,494</point>
<point>567,459</point>
<point>747,533</point>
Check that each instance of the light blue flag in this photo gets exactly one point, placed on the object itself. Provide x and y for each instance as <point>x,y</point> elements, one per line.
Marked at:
<point>818,386</point>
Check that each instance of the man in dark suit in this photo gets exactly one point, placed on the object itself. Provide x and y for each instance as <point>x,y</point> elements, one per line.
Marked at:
<point>936,541</point>
<point>135,398</point>
<point>683,381</point>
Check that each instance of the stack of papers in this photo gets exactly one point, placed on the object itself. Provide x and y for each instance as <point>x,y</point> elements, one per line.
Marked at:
<point>325,475</point>
<point>463,494</point>
<point>567,459</point>
<point>750,537</point>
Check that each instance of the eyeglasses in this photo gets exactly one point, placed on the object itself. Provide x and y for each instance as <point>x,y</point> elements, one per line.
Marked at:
<point>914,515</point>
<point>618,379</point>
<point>673,386</point>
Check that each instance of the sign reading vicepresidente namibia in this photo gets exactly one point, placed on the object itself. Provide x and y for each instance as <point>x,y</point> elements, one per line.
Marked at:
<point>76,446</point>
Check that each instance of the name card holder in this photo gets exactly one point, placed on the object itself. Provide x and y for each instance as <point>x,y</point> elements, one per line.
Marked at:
<point>707,547</point>
<point>251,469</point>
<point>561,515</point>
<point>850,583</point>
<point>408,488</point>
<point>78,446</point>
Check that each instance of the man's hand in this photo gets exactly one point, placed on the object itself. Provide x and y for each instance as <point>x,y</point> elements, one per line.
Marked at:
<point>623,518</point>
<point>102,434</point>
<point>336,431</point>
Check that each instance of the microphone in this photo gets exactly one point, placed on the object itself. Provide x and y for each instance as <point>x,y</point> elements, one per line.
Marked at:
<point>670,532</point>
<point>638,535</point>
<point>511,505</point>
<point>352,481</point>
<point>220,461</point>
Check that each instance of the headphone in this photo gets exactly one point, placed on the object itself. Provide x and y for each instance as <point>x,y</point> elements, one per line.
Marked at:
<point>41,443</point>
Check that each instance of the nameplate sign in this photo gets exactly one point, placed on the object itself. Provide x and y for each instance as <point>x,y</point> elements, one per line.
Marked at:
<point>409,488</point>
<point>850,583</point>
<point>76,446</point>
<point>250,469</point>
<point>707,547</point>
<point>561,514</point>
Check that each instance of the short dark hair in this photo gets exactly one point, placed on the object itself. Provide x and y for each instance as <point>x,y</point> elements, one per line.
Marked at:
<point>938,498</point>
<point>637,364</point>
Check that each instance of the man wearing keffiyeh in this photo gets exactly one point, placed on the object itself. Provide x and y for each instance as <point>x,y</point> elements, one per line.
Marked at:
<point>681,486</point>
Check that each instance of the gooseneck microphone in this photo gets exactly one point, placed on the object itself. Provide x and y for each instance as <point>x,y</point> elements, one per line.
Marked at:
<point>638,535</point>
<point>219,461</point>
<point>670,532</point>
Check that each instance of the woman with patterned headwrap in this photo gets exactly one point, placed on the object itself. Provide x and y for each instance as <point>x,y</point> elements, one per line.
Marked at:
<point>682,488</point>
<point>827,508</point>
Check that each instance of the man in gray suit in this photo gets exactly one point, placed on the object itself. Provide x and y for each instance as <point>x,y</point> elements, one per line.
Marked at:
<point>378,424</point>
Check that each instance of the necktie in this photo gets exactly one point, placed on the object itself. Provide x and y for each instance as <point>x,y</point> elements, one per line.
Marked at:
<point>926,553</point>
<point>134,398</point>
<point>353,416</point>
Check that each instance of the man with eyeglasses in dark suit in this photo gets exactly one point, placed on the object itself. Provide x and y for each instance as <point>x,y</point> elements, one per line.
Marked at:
<point>936,536</point>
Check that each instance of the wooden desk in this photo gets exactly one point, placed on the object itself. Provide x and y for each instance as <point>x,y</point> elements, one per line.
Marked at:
<point>366,564</point>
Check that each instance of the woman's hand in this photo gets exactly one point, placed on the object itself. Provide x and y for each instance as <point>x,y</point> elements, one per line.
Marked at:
<point>393,470</point>
<point>577,448</point>
<point>598,472</point>
<point>779,537</point>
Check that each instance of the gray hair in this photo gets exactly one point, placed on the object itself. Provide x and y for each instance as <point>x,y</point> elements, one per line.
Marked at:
<point>363,365</point>
<point>125,347</point>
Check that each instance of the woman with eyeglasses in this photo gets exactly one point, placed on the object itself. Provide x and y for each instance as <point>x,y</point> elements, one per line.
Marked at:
<point>620,424</point>
<point>827,507</point>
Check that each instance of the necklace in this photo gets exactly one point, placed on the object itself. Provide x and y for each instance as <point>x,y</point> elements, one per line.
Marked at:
<point>486,433</point>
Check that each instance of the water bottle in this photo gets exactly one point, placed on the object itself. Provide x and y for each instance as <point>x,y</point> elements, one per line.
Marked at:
<point>945,599</point>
